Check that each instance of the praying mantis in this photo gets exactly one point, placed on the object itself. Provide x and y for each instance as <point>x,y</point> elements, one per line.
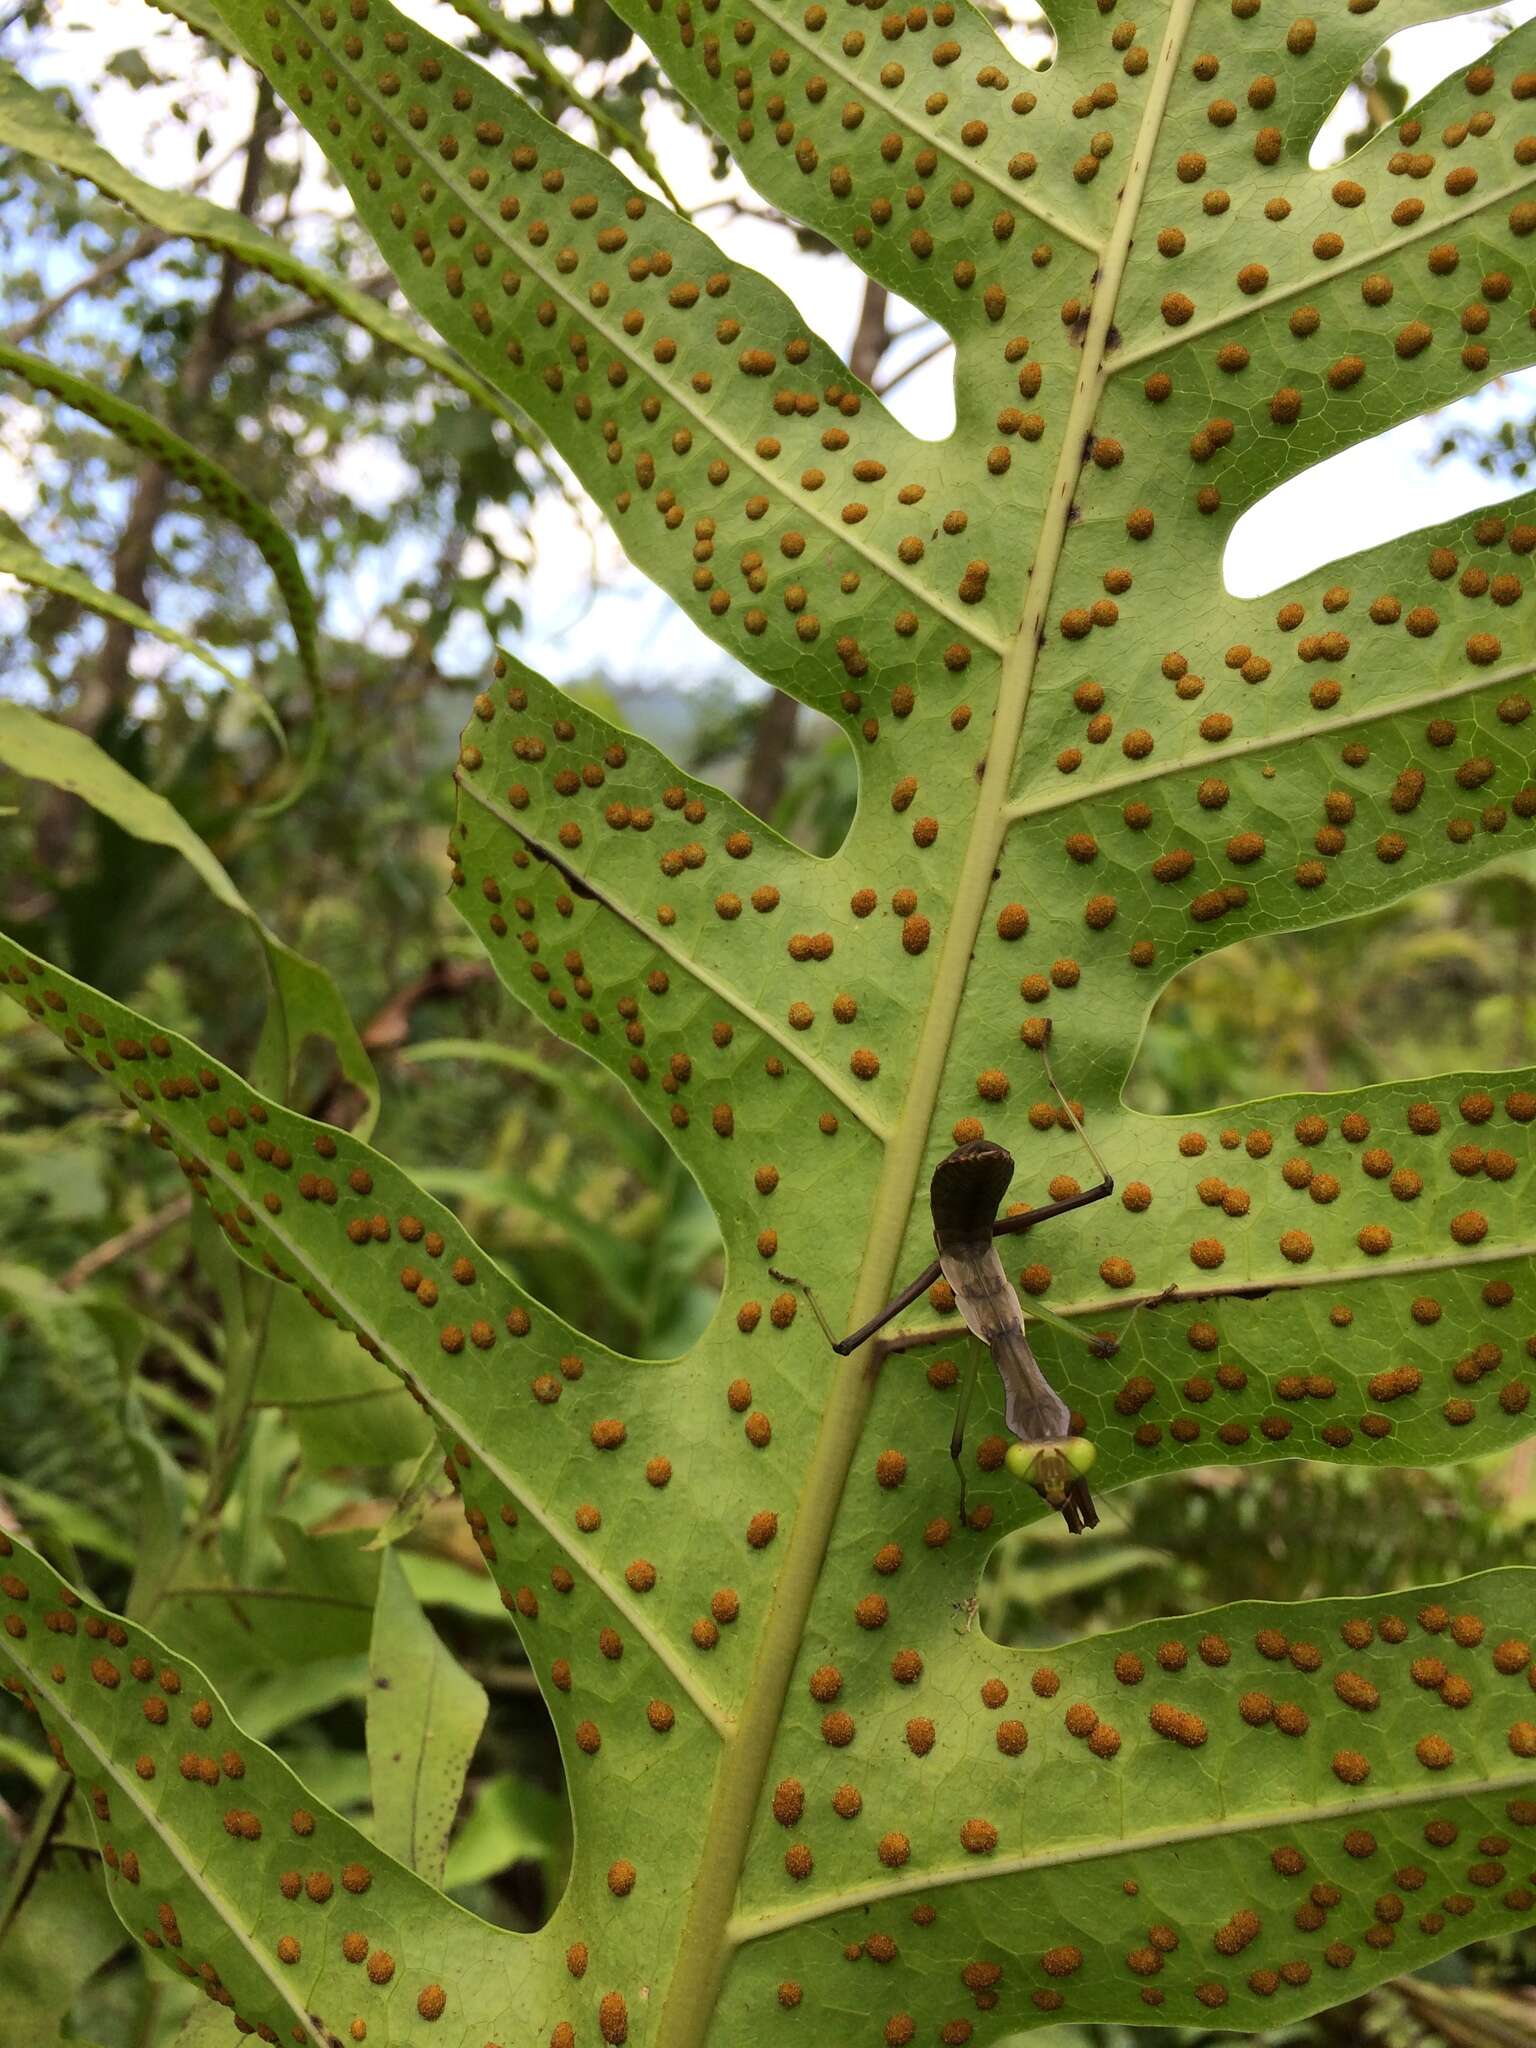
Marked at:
<point>965,1194</point>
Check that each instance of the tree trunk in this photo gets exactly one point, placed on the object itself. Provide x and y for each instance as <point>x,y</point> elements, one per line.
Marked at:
<point>210,348</point>
<point>872,335</point>
<point>768,763</point>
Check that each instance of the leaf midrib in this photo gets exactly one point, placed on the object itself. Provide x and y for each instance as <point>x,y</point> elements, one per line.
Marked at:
<point>807,505</point>
<point>1068,797</point>
<point>617,1597</point>
<point>704,1951</point>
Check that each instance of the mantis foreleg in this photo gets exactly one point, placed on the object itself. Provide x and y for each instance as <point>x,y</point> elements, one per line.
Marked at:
<point>962,1409</point>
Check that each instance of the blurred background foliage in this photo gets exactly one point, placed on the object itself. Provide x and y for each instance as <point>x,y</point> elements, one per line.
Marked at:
<point>160,1433</point>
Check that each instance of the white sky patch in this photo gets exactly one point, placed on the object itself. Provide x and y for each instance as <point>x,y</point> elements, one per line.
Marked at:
<point>586,609</point>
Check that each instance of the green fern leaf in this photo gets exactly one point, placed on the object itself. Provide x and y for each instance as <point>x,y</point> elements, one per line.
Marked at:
<point>808,1799</point>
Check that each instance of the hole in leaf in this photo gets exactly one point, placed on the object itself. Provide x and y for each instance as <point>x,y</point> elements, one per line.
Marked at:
<point>797,771</point>
<point>1023,28</point>
<point>1422,473</point>
<point>1444,981</point>
<point>1404,69</point>
<point>510,1852</point>
<point>1190,1540</point>
<point>916,378</point>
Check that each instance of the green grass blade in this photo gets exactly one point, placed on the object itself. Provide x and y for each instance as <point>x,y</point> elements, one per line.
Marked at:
<point>30,123</point>
<point>305,1001</point>
<point>425,1716</point>
<point>229,498</point>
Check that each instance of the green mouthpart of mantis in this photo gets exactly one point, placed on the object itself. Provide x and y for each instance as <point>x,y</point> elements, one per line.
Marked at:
<point>1050,1468</point>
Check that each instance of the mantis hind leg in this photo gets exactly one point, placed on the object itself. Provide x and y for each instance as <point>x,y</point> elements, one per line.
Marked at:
<point>957,1433</point>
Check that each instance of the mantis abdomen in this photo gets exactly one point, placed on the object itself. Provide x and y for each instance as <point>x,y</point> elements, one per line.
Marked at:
<point>1034,1411</point>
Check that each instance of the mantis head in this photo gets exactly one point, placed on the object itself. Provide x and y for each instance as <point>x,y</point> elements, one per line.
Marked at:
<point>1052,1469</point>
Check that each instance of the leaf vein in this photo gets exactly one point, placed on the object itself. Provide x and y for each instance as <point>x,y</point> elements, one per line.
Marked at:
<point>1444,224</point>
<point>1427,699</point>
<point>756,1927</point>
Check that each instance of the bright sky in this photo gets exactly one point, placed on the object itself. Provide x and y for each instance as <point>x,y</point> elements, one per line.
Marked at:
<point>585,608</point>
